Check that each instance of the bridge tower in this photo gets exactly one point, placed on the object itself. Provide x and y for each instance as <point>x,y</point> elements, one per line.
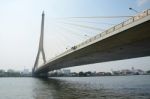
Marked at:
<point>41,48</point>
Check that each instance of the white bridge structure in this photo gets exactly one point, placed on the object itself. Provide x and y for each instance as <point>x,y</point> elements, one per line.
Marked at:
<point>129,39</point>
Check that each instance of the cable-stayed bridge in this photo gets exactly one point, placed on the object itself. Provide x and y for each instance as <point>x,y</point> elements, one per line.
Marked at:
<point>129,39</point>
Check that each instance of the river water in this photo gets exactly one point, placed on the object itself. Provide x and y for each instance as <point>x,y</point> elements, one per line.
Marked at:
<point>108,87</point>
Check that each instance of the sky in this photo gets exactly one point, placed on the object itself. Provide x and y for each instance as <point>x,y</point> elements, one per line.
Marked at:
<point>20,22</point>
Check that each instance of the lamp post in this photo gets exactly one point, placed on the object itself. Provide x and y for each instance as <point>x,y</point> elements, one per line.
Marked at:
<point>133,10</point>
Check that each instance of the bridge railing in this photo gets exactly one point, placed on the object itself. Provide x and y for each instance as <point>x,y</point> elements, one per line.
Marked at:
<point>103,34</point>
<point>114,28</point>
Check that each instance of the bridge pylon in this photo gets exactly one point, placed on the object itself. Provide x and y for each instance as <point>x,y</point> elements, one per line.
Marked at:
<point>41,48</point>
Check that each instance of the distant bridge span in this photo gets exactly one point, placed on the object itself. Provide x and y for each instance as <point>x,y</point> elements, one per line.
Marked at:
<point>129,39</point>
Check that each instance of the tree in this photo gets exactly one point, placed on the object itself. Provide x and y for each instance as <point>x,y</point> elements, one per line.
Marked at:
<point>82,74</point>
<point>148,72</point>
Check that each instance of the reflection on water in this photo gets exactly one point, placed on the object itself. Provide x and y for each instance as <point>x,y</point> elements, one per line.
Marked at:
<point>119,87</point>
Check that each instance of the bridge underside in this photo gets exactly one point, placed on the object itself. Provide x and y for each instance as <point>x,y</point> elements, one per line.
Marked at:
<point>131,43</point>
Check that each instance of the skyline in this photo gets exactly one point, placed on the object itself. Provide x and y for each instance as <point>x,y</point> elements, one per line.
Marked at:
<point>20,29</point>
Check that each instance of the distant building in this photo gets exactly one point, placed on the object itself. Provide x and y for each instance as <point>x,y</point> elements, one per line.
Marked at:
<point>74,74</point>
<point>59,72</point>
<point>126,72</point>
<point>129,72</point>
<point>100,73</point>
<point>139,72</point>
<point>66,72</point>
<point>25,71</point>
<point>104,74</point>
<point>116,72</point>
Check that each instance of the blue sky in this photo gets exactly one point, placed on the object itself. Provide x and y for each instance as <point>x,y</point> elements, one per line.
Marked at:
<point>20,29</point>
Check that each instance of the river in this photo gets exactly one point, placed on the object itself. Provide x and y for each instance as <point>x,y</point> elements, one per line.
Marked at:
<point>106,87</point>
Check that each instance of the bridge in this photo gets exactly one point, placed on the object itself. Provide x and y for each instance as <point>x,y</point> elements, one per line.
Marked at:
<point>129,39</point>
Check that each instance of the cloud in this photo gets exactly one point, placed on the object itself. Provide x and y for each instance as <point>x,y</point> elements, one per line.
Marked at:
<point>142,2</point>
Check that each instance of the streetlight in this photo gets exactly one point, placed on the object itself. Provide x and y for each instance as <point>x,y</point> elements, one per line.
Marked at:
<point>86,35</point>
<point>133,10</point>
<point>67,47</point>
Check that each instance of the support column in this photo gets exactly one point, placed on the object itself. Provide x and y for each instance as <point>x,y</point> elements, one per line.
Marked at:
<point>41,48</point>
